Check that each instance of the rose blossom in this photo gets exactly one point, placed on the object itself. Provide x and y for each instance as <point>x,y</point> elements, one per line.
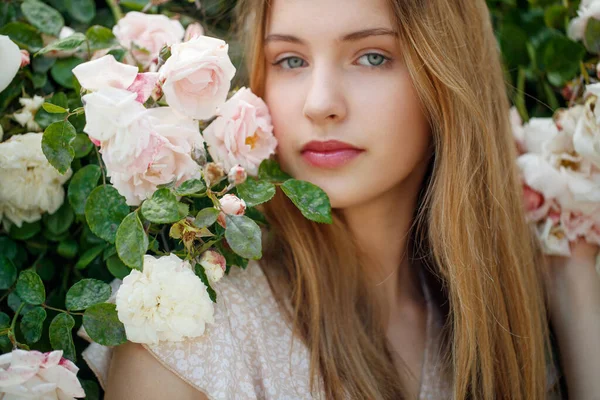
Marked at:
<point>164,301</point>
<point>586,139</point>
<point>553,238</point>
<point>231,205</point>
<point>11,61</point>
<point>25,59</point>
<point>192,31</point>
<point>214,265</point>
<point>36,375</point>
<point>587,10</point>
<point>242,133</point>
<point>26,116</point>
<point>197,76</point>
<point>146,34</point>
<point>29,185</point>
<point>164,158</point>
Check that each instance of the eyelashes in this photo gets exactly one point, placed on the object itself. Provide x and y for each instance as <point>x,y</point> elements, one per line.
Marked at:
<point>295,62</point>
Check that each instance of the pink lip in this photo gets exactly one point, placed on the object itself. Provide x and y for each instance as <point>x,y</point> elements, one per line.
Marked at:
<point>329,154</point>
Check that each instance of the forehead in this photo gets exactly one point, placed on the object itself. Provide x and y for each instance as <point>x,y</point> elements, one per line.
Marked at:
<point>322,19</point>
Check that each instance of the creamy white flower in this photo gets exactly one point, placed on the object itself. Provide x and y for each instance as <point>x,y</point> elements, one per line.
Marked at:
<point>214,265</point>
<point>11,61</point>
<point>29,185</point>
<point>105,72</point>
<point>26,117</point>
<point>165,301</point>
<point>553,238</point>
<point>586,139</point>
<point>538,132</point>
<point>587,10</point>
<point>35,375</point>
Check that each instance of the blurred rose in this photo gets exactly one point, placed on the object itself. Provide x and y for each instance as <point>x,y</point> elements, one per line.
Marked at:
<point>29,185</point>
<point>192,31</point>
<point>25,60</point>
<point>587,10</point>
<point>553,239</point>
<point>242,133</point>
<point>26,116</point>
<point>145,34</point>
<point>586,139</point>
<point>35,375</point>
<point>11,61</point>
<point>197,76</point>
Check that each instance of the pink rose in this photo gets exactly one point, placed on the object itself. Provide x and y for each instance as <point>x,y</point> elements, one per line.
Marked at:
<point>232,205</point>
<point>536,206</point>
<point>145,34</point>
<point>242,133</point>
<point>197,76</point>
<point>214,265</point>
<point>25,60</point>
<point>192,31</point>
<point>165,157</point>
<point>35,375</point>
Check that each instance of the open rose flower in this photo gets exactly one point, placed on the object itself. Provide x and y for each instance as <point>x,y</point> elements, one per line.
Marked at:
<point>197,77</point>
<point>164,155</point>
<point>242,133</point>
<point>165,301</point>
<point>11,61</point>
<point>145,34</point>
<point>29,185</point>
<point>35,375</point>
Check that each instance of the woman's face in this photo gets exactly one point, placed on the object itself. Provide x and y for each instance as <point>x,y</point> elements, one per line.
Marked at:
<point>345,112</point>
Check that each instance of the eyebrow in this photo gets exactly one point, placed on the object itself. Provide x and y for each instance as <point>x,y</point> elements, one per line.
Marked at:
<point>350,37</point>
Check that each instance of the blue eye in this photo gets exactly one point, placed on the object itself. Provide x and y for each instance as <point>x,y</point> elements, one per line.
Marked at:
<point>374,59</point>
<point>292,62</point>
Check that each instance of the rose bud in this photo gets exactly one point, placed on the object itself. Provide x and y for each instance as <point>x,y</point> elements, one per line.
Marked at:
<point>192,31</point>
<point>232,205</point>
<point>199,155</point>
<point>214,265</point>
<point>237,175</point>
<point>24,58</point>
<point>213,173</point>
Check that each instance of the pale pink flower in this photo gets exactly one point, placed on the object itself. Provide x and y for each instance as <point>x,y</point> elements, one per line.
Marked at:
<point>237,175</point>
<point>587,10</point>
<point>192,31</point>
<point>197,76</point>
<point>231,205</point>
<point>242,134</point>
<point>145,34</point>
<point>36,375</point>
<point>25,60</point>
<point>214,265</point>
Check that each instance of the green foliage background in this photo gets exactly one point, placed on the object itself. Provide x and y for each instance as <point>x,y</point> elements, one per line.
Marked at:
<point>40,261</point>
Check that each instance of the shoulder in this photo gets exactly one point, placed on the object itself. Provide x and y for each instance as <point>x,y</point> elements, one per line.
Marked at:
<point>243,346</point>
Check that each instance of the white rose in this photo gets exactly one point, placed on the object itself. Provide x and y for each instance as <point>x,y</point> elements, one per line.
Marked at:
<point>35,375</point>
<point>166,301</point>
<point>109,111</point>
<point>29,185</point>
<point>553,239</point>
<point>586,139</point>
<point>587,10</point>
<point>214,265</point>
<point>146,34</point>
<point>105,72</point>
<point>197,76</point>
<point>11,61</point>
<point>26,117</point>
<point>164,158</point>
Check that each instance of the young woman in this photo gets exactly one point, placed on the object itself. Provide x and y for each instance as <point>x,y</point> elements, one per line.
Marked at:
<point>429,284</point>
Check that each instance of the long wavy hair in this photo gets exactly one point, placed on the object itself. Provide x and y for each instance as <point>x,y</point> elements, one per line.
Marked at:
<point>469,231</point>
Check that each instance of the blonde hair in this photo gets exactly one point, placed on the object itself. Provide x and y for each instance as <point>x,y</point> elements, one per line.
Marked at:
<point>469,228</point>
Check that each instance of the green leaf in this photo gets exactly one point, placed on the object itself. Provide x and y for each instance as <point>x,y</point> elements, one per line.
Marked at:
<point>62,71</point>
<point>67,248</point>
<point>59,222</point>
<point>269,170</point>
<point>81,10</point>
<point>42,65</point>
<point>103,326</point>
<point>562,56</point>
<point>255,192</point>
<point>89,255</point>
<point>43,17</point>
<point>91,389</point>
<point>162,208</point>
<point>132,241</point>
<point>26,231</point>
<point>105,208</point>
<point>243,236</point>
<point>30,288</point>
<point>82,145</point>
<point>206,217</point>
<point>56,145</point>
<point>190,187</point>
<point>512,40</point>
<point>44,118</point>
<point>65,44</point>
<point>24,35</point>
<point>8,272</point>
<point>591,37</point>
<point>61,335</point>
<point>100,38</point>
<point>199,269</point>
<point>53,108</point>
<point>311,200</point>
<point>81,185</point>
<point>86,293</point>
<point>117,268</point>
<point>32,324</point>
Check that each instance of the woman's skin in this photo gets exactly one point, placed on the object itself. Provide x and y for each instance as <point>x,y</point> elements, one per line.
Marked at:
<point>344,80</point>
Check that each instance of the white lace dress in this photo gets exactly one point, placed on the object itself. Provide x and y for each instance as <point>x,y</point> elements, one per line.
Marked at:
<point>248,352</point>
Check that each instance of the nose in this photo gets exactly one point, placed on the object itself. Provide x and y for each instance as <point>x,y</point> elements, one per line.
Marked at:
<point>325,101</point>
